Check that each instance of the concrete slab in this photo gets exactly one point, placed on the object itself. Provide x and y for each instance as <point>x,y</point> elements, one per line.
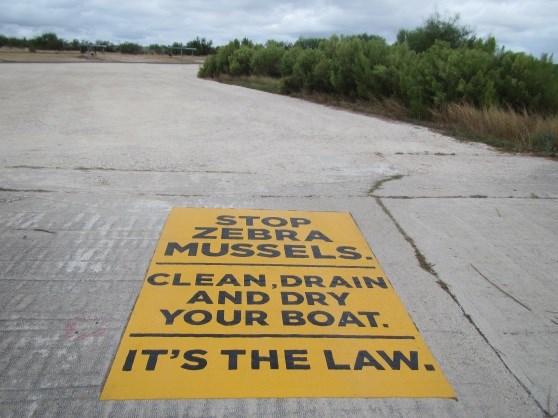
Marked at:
<point>94,156</point>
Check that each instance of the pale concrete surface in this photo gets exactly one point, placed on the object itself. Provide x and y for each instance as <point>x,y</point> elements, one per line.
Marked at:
<point>93,157</point>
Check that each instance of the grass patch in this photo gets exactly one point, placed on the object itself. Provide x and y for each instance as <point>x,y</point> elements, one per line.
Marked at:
<point>378,184</point>
<point>503,128</point>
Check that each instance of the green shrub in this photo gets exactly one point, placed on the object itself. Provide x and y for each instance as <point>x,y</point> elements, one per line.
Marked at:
<point>543,142</point>
<point>435,28</point>
<point>130,48</point>
<point>266,61</point>
<point>209,68</point>
<point>239,61</point>
<point>47,41</point>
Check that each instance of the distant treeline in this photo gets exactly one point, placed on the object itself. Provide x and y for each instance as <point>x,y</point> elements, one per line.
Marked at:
<point>51,42</point>
<point>438,63</point>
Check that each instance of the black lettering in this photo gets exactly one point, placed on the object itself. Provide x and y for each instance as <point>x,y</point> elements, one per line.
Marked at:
<point>189,317</point>
<point>228,279</point>
<point>200,296</point>
<point>199,363</point>
<point>242,250</point>
<point>129,361</point>
<point>339,281</point>
<point>204,279</point>
<point>314,235</point>
<point>176,280</point>
<point>313,281</point>
<point>225,220</point>
<point>236,299</point>
<point>258,234</point>
<point>274,221</point>
<point>290,281</point>
<point>348,318</point>
<point>192,248</point>
<point>317,252</point>
<point>221,318</point>
<point>206,250</point>
<point>151,279</point>
<point>293,318</point>
<point>341,299</point>
<point>398,357</point>
<point>153,356</point>
<point>291,298</point>
<point>169,318</point>
<point>260,280</point>
<point>370,316</point>
<point>313,318</point>
<point>256,316</point>
<point>316,297</point>
<point>296,222</point>
<point>256,298</point>
<point>348,253</point>
<point>268,250</point>
<point>365,359</point>
<point>249,219</point>
<point>295,251</point>
<point>331,365</point>
<point>291,360</point>
<point>272,359</point>
<point>281,234</point>
<point>370,282</point>
<point>231,233</point>
<point>206,230</point>
<point>233,357</point>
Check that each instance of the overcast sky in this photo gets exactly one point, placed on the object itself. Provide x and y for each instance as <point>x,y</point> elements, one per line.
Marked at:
<point>529,26</point>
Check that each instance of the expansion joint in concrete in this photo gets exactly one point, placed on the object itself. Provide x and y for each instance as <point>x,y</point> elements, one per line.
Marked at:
<point>428,267</point>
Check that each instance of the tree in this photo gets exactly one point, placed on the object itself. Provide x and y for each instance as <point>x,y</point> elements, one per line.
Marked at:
<point>203,46</point>
<point>435,28</point>
<point>48,41</point>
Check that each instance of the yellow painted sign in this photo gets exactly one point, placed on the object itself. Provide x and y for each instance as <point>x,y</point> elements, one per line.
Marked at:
<point>255,303</point>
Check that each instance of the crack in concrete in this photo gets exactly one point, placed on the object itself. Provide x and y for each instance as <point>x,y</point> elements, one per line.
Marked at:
<point>499,288</point>
<point>87,169</point>
<point>425,265</point>
<point>464,197</point>
<point>378,184</point>
<point>34,229</point>
<point>4,189</point>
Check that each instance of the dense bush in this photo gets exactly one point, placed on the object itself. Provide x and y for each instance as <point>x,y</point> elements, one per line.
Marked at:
<point>436,28</point>
<point>48,41</point>
<point>427,68</point>
<point>109,46</point>
<point>13,42</point>
<point>240,61</point>
<point>130,48</point>
<point>267,61</point>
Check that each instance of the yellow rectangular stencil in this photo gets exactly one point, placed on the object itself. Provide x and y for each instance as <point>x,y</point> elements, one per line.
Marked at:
<point>257,303</point>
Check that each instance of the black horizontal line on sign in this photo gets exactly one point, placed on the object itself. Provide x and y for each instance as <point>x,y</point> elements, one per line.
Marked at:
<point>360,337</point>
<point>170,263</point>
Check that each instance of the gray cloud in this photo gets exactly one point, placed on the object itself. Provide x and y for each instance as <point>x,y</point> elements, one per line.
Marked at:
<point>518,25</point>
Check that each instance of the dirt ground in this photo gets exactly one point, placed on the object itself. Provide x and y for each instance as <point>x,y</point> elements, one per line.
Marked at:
<point>23,55</point>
